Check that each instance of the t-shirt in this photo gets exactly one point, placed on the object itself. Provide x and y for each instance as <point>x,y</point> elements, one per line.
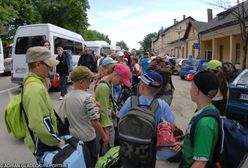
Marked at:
<point>80,108</point>
<point>163,111</point>
<point>102,94</point>
<point>145,62</point>
<point>206,136</point>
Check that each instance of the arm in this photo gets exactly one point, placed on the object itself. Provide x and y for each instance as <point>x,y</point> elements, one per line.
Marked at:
<point>40,121</point>
<point>80,60</point>
<point>93,115</point>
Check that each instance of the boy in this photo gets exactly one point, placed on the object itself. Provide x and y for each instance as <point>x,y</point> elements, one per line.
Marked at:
<point>82,113</point>
<point>204,88</point>
<point>149,86</point>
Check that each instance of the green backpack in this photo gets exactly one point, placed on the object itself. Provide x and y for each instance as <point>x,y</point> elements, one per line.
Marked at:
<point>110,160</point>
<point>14,120</point>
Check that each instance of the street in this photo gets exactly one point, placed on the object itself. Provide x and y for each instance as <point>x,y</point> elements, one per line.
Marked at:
<point>14,150</point>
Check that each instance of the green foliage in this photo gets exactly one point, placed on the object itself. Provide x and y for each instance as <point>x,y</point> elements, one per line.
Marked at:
<point>69,14</point>
<point>122,44</point>
<point>146,43</point>
<point>92,35</point>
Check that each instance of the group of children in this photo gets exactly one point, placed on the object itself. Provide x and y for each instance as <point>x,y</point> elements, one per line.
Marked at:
<point>94,118</point>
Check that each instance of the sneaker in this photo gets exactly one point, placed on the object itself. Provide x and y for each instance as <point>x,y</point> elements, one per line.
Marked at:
<point>61,98</point>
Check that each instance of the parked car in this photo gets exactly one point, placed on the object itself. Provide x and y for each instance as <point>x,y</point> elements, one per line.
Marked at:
<point>8,66</point>
<point>178,66</point>
<point>237,105</point>
<point>230,70</point>
<point>192,66</point>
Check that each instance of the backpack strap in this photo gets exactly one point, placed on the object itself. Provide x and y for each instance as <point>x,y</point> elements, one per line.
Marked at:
<point>134,101</point>
<point>154,105</point>
<point>208,113</point>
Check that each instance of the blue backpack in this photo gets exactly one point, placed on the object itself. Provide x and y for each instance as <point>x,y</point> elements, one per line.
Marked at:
<point>232,146</point>
<point>69,60</point>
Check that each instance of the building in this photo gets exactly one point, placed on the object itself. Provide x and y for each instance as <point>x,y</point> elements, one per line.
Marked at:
<point>180,40</point>
<point>221,37</point>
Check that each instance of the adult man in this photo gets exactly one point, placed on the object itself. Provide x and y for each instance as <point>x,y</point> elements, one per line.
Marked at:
<point>87,59</point>
<point>37,104</point>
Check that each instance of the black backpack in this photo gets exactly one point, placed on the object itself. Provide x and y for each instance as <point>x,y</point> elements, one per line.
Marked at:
<point>137,131</point>
<point>232,146</point>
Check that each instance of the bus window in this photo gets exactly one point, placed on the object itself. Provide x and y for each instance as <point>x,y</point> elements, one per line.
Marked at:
<point>78,48</point>
<point>75,47</point>
<point>24,43</point>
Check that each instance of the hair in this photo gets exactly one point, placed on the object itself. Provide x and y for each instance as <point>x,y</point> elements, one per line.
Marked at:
<point>43,42</point>
<point>108,67</point>
<point>59,47</point>
<point>222,83</point>
<point>150,89</point>
<point>31,65</point>
<point>159,65</point>
<point>135,59</point>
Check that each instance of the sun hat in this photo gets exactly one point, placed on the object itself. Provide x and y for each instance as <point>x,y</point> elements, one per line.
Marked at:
<point>120,54</point>
<point>214,65</point>
<point>108,60</point>
<point>35,54</point>
<point>207,82</point>
<point>124,71</point>
<point>81,72</point>
<point>152,78</point>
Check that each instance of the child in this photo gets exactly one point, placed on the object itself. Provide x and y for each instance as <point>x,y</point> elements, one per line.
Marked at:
<point>80,109</point>
<point>204,88</point>
<point>120,75</point>
<point>149,86</point>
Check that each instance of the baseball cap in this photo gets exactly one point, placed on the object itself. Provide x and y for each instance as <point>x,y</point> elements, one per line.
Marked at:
<point>120,54</point>
<point>152,78</point>
<point>108,60</point>
<point>125,73</point>
<point>215,65</point>
<point>35,54</point>
<point>80,72</point>
<point>207,82</point>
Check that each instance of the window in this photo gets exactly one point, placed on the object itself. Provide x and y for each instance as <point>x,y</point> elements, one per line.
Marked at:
<point>24,43</point>
<point>75,47</point>
<point>237,58</point>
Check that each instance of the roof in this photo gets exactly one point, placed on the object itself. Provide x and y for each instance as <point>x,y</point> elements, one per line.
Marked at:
<point>224,19</point>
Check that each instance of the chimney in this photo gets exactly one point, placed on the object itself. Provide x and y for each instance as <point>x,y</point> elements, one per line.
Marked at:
<point>183,17</point>
<point>175,21</point>
<point>210,14</point>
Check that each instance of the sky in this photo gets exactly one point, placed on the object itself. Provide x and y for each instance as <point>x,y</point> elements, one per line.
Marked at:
<point>132,20</point>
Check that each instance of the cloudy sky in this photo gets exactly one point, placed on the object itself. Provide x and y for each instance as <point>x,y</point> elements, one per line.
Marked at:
<point>131,20</point>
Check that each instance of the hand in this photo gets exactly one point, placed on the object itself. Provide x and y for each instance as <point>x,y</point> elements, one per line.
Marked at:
<point>178,146</point>
<point>105,139</point>
<point>61,144</point>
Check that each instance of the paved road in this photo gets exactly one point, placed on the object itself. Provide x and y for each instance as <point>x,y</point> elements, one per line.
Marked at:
<point>14,151</point>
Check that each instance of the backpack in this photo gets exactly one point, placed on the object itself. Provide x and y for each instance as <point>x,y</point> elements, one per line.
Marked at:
<point>14,120</point>
<point>232,146</point>
<point>69,61</point>
<point>110,160</point>
<point>137,131</point>
<point>71,155</point>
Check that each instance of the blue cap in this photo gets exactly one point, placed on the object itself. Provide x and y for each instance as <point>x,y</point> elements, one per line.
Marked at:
<point>120,53</point>
<point>108,60</point>
<point>152,78</point>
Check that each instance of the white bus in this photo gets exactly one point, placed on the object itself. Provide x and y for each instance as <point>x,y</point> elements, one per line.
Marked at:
<point>100,48</point>
<point>1,57</point>
<point>31,35</point>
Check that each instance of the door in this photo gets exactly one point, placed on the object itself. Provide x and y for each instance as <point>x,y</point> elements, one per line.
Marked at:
<point>1,57</point>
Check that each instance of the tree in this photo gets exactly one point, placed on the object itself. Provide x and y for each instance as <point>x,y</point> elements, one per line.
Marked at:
<point>122,44</point>
<point>69,14</point>
<point>91,35</point>
<point>240,14</point>
<point>15,13</point>
<point>146,43</point>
